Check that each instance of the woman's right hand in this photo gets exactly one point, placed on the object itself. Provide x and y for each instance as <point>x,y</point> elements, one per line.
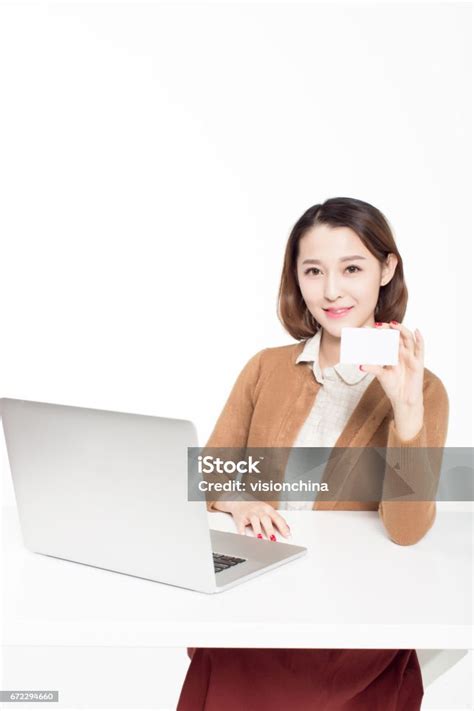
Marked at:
<point>261,516</point>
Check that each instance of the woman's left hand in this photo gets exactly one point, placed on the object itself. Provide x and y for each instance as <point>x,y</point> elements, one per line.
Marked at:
<point>403,383</point>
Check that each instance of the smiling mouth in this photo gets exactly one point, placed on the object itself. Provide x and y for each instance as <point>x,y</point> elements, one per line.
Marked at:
<point>339,311</point>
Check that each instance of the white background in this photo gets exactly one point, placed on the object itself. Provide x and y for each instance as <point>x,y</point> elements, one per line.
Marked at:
<point>154,159</point>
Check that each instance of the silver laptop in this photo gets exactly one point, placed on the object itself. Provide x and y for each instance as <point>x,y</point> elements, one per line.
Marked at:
<point>110,489</point>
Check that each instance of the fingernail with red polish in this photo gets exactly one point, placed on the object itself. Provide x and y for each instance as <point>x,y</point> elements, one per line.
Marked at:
<point>259,535</point>
<point>378,323</point>
<point>272,537</point>
<point>395,323</point>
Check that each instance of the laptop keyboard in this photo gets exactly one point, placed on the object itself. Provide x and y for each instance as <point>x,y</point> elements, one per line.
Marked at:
<point>222,562</point>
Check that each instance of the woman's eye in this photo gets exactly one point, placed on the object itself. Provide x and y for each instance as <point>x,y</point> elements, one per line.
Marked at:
<point>353,269</point>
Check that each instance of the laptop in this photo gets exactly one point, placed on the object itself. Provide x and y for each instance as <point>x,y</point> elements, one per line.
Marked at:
<point>110,490</point>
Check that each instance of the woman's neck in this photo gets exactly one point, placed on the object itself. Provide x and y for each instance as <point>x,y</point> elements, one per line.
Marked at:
<point>329,350</point>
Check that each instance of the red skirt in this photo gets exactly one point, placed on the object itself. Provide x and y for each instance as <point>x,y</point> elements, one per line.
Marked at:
<point>302,680</point>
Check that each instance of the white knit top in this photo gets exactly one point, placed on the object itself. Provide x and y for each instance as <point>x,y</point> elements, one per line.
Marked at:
<point>342,386</point>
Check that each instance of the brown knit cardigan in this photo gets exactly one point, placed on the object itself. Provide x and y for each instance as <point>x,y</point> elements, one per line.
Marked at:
<point>271,400</point>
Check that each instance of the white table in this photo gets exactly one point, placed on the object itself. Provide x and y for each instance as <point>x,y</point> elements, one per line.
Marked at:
<point>354,589</point>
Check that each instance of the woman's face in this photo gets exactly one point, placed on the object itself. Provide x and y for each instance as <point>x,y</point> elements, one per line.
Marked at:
<point>339,278</point>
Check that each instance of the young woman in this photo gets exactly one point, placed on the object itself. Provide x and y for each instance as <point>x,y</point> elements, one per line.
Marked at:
<point>341,268</point>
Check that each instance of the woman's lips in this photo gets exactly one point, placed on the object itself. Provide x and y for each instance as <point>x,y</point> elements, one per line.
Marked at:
<point>337,313</point>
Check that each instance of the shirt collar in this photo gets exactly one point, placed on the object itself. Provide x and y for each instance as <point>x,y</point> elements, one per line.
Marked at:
<point>349,373</point>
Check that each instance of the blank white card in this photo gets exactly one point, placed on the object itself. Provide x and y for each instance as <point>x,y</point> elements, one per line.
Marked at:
<point>372,346</point>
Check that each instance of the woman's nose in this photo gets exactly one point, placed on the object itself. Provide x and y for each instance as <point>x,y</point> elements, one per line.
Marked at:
<point>332,288</point>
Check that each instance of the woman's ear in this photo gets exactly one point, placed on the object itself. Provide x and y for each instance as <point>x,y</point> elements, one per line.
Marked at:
<point>388,269</point>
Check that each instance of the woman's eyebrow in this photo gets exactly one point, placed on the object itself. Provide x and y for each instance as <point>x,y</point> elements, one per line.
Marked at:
<point>342,259</point>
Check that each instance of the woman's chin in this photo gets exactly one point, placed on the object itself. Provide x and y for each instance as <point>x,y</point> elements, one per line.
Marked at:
<point>334,329</point>
<point>334,326</point>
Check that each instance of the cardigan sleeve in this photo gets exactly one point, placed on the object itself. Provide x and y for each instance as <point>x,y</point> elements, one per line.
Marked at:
<point>412,470</point>
<point>233,424</point>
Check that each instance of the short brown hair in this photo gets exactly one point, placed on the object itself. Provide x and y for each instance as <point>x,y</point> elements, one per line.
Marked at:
<point>374,231</point>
